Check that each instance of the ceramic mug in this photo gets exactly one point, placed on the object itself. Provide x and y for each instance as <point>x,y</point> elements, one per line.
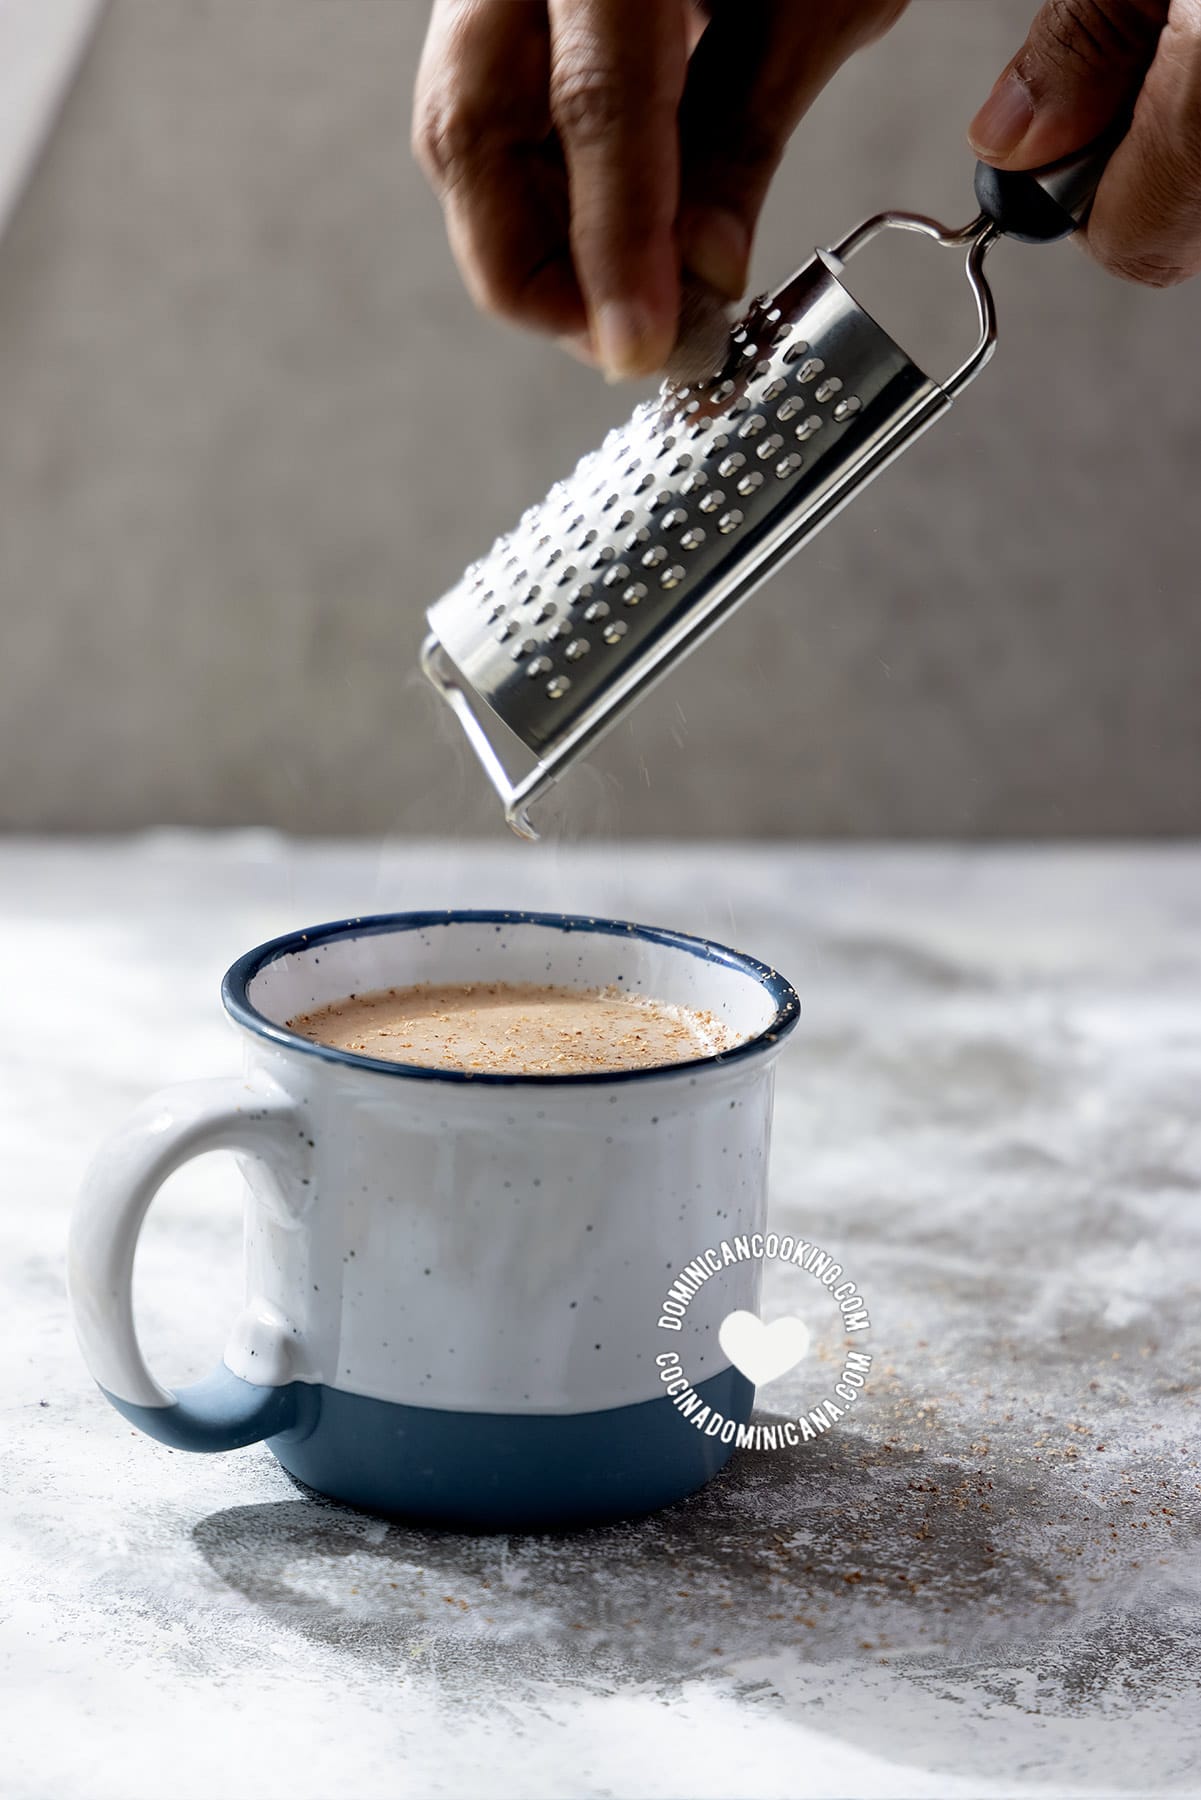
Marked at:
<point>455,1279</point>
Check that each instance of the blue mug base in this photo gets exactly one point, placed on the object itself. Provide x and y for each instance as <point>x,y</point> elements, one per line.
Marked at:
<point>512,1471</point>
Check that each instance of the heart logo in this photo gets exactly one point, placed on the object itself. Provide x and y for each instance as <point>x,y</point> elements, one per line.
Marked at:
<point>763,1352</point>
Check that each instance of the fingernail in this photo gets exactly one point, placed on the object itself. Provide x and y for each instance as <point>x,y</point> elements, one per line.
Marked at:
<point>717,246</point>
<point>1004,119</point>
<point>623,333</point>
<point>580,346</point>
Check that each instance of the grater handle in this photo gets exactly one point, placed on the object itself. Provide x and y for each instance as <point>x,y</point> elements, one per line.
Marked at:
<point>1039,206</point>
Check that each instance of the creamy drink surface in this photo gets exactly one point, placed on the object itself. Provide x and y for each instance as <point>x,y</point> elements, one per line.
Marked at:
<point>515,1028</point>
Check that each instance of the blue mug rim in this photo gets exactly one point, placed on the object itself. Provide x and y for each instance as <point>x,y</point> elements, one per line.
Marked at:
<point>243,1012</point>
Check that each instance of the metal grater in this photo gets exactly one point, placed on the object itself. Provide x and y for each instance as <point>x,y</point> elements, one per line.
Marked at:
<point>657,536</point>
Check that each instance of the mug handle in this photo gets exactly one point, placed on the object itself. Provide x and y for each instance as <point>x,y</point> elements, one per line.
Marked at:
<point>223,1411</point>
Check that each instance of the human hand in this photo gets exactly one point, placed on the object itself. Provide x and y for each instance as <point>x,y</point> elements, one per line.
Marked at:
<point>588,151</point>
<point>1085,64</point>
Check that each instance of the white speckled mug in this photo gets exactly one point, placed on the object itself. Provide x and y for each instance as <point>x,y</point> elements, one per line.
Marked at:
<point>454,1279</point>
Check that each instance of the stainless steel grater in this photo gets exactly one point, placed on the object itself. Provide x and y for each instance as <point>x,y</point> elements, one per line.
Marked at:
<point>657,536</point>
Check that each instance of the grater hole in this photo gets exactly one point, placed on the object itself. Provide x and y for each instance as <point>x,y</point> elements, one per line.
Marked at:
<point>626,518</point>
<point>544,612</point>
<point>614,631</point>
<point>554,557</point>
<point>582,592</point>
<point>809,371</point>
<point>846,407</point>
<point>506,631</point>
<point>772,391</point>
<point>673,576</point>
<point>525,648</point>
<point>730,465</point>
<point>541,665</point>
<point>618,573</point>
<point>654,556</point>
<point>560,629</point>
<point>495,612</point>
<point>647,481</point>
<point>753,426</point>
<point>695,481</point>
<point>789,410</point>
<point>712,500</point>
<point>641,536</point>
<point>588,538</point>
<point>557,686</point>
<point>604,555</point>
<point>828,389</point>
<point>807,427</point>
<point>788,465</point>
<point>661,499</point>
<point>682,462</point>
<point>721,392</point>
<point>577,648</point>
<point>729,522</point>
<point>566,574</point>
<point>693,539</point>
<point>598,610</point>
<point>634,593</point>
<point>770,445</point>
<point>670,520</point>
<point>750,481</point>
<point>737,407</point>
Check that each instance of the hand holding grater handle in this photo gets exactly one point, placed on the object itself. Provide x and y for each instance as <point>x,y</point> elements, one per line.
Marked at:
<point>656,537</point>
<point>1039,206</point>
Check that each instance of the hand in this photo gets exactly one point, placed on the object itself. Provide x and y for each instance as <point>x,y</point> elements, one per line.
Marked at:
<point>586,151</point>
<point>1085,64</point>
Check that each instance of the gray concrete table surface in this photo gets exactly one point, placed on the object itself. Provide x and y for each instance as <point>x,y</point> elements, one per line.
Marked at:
<point>982,1581</point>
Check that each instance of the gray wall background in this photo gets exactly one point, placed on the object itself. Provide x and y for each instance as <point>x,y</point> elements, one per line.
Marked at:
<point>250,426</point>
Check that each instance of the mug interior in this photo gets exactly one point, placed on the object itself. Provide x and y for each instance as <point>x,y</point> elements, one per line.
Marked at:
<point>310,969</point>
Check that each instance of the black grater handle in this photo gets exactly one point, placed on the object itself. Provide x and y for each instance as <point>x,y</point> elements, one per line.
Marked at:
<point>1039,206</point>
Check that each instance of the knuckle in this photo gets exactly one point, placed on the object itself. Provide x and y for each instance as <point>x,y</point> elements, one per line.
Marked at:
<point>588,102</point>
<point>1091,33</point>
<point>447,131</point>
<point>1146,269</point>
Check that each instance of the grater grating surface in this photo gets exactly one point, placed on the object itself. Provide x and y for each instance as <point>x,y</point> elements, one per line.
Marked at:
<point>637,548</point>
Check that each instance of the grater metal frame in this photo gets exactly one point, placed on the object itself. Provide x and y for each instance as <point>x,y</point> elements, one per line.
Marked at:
<point>901,404</point>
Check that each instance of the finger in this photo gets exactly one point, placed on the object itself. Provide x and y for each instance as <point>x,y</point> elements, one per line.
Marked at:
<point>1145,222</point>
<point>1085,63</point>
<point>617,72</point>
<point>1078,70</point>
<point>482,134</point>
<point>753,75</point>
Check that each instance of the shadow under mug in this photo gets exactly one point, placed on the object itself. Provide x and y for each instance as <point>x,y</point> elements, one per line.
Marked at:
<point>455,1279</point>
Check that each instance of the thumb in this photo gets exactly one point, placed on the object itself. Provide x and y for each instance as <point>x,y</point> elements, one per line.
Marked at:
<point>1079,69</point>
